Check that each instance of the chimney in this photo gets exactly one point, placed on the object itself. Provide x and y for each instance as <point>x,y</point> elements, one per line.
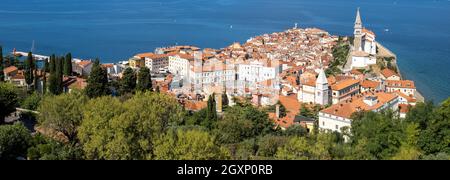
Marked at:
<point>219,103</point>
<point>277,111</point>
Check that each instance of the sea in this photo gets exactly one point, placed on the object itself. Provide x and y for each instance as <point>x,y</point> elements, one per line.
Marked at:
<point>114,30</point>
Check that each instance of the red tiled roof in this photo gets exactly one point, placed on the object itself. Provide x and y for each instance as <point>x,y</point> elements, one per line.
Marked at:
<point>10,69</point>
<point>195,105</point>
<point>369,84</point>
<point>346,109</point>
<point>344,84</point>
<point>400,84</point>
<point>388,73</point>
<point>368,32</point>
<point>84,63</point>
<point>404,108</point>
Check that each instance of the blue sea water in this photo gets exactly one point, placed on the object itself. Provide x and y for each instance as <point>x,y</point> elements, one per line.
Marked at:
<point>114,30</point>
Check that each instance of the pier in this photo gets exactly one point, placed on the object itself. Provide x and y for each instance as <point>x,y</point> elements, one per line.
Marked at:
<point>38,57</point>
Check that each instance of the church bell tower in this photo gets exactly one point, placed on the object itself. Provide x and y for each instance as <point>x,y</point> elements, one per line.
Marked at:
<point>358,32</point>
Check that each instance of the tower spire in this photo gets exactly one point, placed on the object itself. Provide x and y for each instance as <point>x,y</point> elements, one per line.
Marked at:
<point>358,22</point>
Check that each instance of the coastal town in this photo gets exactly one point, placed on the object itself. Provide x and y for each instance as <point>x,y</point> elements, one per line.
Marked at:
<point>294,69</point>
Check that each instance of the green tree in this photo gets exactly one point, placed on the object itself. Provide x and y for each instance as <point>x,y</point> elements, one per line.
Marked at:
<point>382,130</point>
<point>68,64</point>
<point>144,82</point>
<point>14,141</point>
<point>359,150</point>
<point>268,145</point>
<point>97,82</point>
<point>48,149</point>
<point>283,111</point>
<point>8,100</point>
<point>188,145</point>
<point>225,100</point>
<point>242,122</point>
<point>435,138</point>
<point>56,76</point>
<point>127,130</point>
<point>128,82</point>
<point>245,150</point>
<point>29,67</point>
<point>211,113</point>
<point>295,149</point>
<point>52,66</point>
<point>46,67</point>
<point>62,113</point>
<point>31,102</point>
<point>306,112</point>
<point>296,130</point>
<point>409,150</point>
<point>195,118</point>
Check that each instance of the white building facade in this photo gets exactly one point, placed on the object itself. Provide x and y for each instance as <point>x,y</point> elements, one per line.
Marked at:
<point>338,116</point>
<point>364,46</point>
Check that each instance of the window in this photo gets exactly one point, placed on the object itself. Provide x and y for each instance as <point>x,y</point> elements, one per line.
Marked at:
<point>337,127</point>
<point>323,123</point>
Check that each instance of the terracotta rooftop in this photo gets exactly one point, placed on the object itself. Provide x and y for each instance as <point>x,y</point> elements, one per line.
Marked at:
<point>368,32</point>
<point>292,108</point>
<point>344,84</point>
<point>84,63</point>
<point>346,109</point>
<point>410,99</point>
<point>10,69</point>
<point>195,105</point>
<point>369,84</point>
<point>400,84</point>
<point>388,73</point>
<point>109,65</point>
<point>404,108</point>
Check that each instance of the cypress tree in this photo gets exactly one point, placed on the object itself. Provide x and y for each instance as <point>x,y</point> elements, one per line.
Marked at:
<point>52,64</point>
<point>46,66</point>
<point>225,101</point>
<point>52,79</point>
<point>144,80</point>
<point>68,65</point>
<point>128,82</point>
<point>97,81</point>
<point>59,74</point>
<point>52,85</point>
<point>36,78</point>
<point>44,78</point>
<point>211,112</point>
<point>2,75</point>
<point>55,80</point>
<point>29,66</point>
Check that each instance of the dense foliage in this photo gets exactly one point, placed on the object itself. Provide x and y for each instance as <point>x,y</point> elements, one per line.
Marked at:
<point>8,100</point>
<point>150,125</point>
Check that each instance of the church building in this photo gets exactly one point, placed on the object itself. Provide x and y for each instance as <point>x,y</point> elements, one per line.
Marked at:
<point>364,46</point>
<point>317,92</point>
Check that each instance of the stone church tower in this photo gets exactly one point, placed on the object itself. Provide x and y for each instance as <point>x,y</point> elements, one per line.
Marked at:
<point>322,95</point>
<point>358,32</point>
